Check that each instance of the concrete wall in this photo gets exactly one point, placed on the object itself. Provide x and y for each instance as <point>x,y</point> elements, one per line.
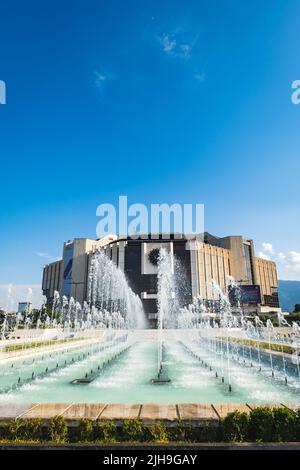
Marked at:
<point>268,280</point>
<point>52,278</point>
<point>267,275</point>
<point>213,264</point>
<point>235,246</point>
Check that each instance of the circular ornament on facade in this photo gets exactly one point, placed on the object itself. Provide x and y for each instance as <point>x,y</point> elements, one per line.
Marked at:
<point>153,256</point>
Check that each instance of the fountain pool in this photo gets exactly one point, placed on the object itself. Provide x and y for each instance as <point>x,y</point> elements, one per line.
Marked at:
<point>126,378</point>
<point>100,352</point>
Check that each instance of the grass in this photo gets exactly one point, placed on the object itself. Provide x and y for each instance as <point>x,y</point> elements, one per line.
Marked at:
<point>272,346</point>
<point>264,345</point>
<point>37,344</point>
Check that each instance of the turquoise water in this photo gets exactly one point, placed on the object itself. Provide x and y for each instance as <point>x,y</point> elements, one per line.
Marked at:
<point>126,379</point>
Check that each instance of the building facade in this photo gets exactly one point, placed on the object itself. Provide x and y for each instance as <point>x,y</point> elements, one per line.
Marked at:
<point>25,308</point>
<point>69,276</point>
<point>201,262</point>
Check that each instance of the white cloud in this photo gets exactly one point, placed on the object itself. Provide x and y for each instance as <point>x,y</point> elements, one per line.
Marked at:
<point>186,49</point>
<point>268,248</point>
<point>281,256</point>
<point>46,256</point>
<point>176,45</point>
<point>263,255</point>
<point>101,79</point>
<point>168,44</point>
<point>288,264</point>
<point>294,259</point>
<point>179,45</point>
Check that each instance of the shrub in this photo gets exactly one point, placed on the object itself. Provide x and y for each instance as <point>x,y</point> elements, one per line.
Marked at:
<point>86,430</point>
<point>297,425</point>
<point>158,432</point>
<point>22,430</point>
<point>58,430</point>
<point>178,432</point>
<point>31,430</point>
<point>261,424</point>
<point>235,426</point>
<point>106,431</point>
<point>14,429</point>
<point>284,424</point>
<point>133,430</point>
<point>4,431</point>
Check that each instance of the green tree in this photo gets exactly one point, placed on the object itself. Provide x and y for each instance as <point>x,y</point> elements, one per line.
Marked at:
<point>261,424</point>
<point>158,432</point>
<point>235,426</point>
<point>284,424</point>
<point>106,431</point>
<point>58,430</point>
<point>133,429</point>
<point>86,430</point>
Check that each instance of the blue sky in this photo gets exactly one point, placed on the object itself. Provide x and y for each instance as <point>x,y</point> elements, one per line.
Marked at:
<point>163,101</point>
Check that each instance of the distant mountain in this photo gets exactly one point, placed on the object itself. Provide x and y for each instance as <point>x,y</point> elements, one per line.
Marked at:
<point>289,295</point>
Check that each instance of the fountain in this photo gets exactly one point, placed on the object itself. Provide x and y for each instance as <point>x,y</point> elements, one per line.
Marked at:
<point>167,307</point>
<point>113,304</point>
<point>203,351</point>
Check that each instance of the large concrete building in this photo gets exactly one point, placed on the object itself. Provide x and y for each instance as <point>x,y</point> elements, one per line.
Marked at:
<point>212,258</point>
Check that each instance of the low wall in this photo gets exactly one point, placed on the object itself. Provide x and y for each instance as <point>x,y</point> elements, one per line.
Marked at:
<point>195,413</point>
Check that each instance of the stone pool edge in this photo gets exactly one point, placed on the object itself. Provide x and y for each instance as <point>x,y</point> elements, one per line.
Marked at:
<point>170,414</point>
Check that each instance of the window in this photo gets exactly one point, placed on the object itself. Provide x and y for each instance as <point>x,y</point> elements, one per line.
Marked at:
<point>247,251</point>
